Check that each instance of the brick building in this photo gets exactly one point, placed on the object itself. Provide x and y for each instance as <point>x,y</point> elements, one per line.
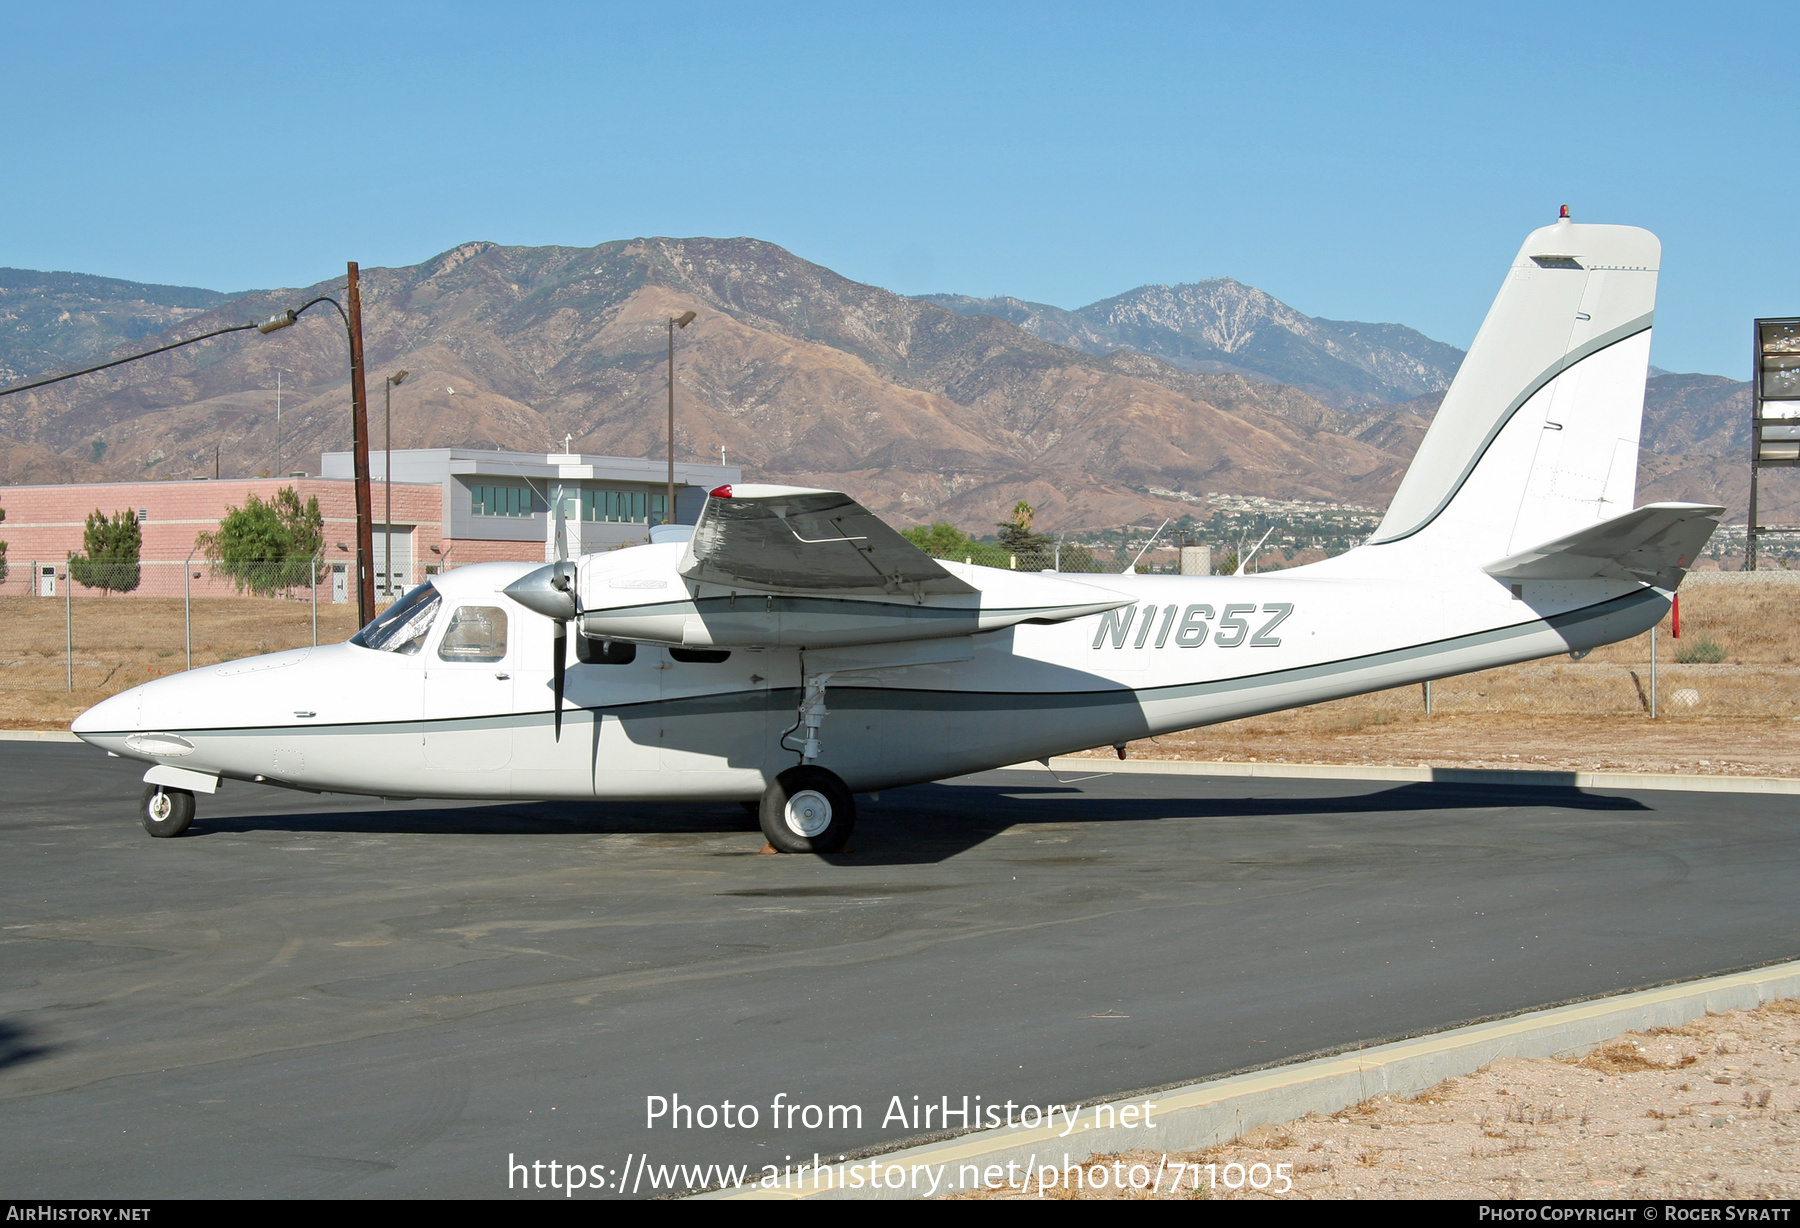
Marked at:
<point>452,506</point>
<point>44,526</point>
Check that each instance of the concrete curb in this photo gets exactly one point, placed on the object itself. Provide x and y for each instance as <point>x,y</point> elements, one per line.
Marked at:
<point>1206,1114</point>
<point>37,735</point>
<point>1513,777</point>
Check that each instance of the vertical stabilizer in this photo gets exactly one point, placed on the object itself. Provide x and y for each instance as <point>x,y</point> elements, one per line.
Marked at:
<point>1538,434</point>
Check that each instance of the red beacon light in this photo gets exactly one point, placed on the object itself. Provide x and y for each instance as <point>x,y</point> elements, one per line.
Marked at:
<point>720,492</point>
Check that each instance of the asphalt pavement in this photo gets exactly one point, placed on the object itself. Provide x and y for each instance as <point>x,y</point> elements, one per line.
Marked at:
<point>339,997</point>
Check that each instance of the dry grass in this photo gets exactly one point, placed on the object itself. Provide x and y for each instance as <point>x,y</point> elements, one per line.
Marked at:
<point>1740,716</point>
<point>1707,1110</point>
<point>121,642</point>
<point>1556,714</point>
<point>1624,1057</point>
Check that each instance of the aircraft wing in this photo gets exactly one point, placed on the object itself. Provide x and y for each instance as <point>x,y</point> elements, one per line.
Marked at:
<point>1654,545</point>
<point>792,539</point>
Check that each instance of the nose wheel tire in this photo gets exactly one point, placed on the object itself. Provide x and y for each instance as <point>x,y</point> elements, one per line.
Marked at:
<point>165,811</point>
<point>807,810</point>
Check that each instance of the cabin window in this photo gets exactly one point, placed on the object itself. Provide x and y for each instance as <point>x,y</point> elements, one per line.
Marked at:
<point>700,656</point>
<point>475,633</point>
<point>402,627</point>
<point>592,650</point>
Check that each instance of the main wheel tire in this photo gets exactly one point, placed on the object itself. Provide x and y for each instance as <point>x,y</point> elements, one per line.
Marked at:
<point>165,811</point>
<point>808,810</point>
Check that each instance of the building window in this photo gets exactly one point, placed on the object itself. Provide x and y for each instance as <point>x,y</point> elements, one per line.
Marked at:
<point>501,500</point>
<point>623,506</point>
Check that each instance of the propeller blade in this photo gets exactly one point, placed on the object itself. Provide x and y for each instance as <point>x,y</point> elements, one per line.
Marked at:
<point>559,639</point>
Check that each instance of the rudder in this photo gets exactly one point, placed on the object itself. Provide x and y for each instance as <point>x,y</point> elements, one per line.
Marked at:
<point>1538,434</point>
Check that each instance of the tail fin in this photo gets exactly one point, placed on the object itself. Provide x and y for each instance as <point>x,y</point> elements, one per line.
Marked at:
<point>1538,434</point>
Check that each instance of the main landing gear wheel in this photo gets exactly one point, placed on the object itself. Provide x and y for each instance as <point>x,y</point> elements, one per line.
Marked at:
<point>808,810</point>
<point>166,811</point>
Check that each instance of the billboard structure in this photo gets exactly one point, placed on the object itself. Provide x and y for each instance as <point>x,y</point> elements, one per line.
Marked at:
<point>1775,410</point>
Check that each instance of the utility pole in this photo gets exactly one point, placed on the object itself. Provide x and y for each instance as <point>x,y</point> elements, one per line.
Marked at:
<point>359,438</point>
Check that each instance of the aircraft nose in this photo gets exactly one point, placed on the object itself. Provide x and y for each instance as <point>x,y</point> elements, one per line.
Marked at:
<point>120,714</point>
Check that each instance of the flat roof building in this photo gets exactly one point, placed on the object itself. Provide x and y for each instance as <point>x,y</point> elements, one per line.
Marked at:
<point>45,524</point>
<point>496,502</point>
<point>452,506</point>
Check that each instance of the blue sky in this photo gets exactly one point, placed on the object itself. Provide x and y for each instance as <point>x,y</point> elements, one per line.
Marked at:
<point>1371,162</point>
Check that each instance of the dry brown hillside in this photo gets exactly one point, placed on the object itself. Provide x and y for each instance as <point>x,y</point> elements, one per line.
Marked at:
<point>801,374</point>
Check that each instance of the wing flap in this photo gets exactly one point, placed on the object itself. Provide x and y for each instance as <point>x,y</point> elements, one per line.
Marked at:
<point>1653,545</point>
<point>792,539</point>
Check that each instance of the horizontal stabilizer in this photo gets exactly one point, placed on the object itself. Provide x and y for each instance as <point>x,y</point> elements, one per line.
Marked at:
<point>792,539</point>
<point>1653,545</point>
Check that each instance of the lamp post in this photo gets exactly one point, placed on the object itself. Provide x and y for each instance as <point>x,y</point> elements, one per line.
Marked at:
<point>359,408</point>
<point>359,428</point>
<point>387,476</point>
<point>278,374</point>
<point>681,321</point>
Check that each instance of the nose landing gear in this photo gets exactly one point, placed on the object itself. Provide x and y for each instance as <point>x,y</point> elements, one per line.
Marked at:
<point>165,811</point>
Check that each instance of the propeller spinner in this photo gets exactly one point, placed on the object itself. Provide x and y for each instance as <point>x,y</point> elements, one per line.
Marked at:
<point>550,591</point>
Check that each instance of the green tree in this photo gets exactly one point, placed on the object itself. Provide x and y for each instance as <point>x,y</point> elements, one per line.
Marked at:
<point>267,547</point>
<point>2,551</point>
<point>940,540</point>
<point>109,561</point>
<point>1016,535</point>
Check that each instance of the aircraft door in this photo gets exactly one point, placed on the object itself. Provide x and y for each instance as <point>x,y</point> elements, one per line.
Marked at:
<point>469,692</point>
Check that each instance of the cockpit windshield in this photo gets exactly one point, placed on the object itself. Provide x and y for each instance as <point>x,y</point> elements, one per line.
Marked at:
<point>402,627</point>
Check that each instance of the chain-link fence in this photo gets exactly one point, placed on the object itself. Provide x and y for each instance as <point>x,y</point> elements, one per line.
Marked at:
<point>1149,548</point>
<point>1737,654</point>
<point>75,631</point>
<point>67,641</point>
<point>1111,553</point>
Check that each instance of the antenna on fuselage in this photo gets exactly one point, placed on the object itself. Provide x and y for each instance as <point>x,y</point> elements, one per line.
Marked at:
<point>1245,561</point>
<point>1147,545</point>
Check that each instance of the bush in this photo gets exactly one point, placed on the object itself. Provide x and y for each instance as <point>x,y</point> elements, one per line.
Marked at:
<point>941,540</point>
<point>267,548</point>
<point>109,561</point>
<point>1703,651</point>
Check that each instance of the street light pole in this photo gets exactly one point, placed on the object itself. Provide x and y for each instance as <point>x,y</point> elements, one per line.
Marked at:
<point>681,321</point>
<point>387,478</point>
<point>278,374</point>
<point>359,416</point>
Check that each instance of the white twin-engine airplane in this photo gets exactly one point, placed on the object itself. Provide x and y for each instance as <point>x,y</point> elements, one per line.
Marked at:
<point>791,650</point>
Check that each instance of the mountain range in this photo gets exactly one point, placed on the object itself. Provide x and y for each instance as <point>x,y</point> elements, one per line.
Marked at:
<point>1225,326</point>
<point>940,407</point>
